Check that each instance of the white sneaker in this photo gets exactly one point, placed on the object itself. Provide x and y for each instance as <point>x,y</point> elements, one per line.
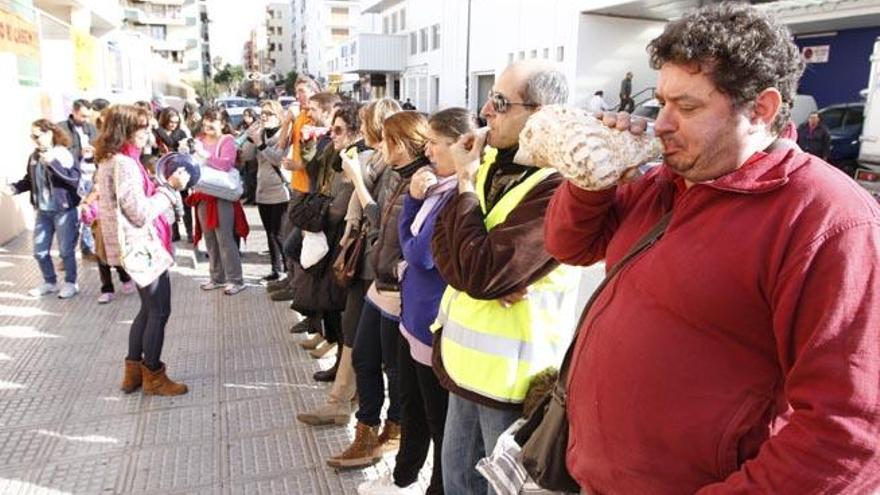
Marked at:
<point>233,289</point>
<point>385,486</point>
<point>43,290</point>
<point>68,290</point>
<point>106,297</point>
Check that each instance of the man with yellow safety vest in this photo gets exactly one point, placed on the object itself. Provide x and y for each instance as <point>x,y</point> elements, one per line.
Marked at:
<point>509,310</point>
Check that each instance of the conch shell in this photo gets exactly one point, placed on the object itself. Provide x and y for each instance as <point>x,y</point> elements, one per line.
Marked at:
<point>584,150</point>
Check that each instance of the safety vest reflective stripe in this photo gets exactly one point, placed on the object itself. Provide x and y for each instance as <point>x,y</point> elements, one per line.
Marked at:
<point>494,350</point>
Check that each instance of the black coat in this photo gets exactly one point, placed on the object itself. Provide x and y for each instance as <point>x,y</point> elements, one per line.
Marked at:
<point>818,143</point>
<point>75,144</point>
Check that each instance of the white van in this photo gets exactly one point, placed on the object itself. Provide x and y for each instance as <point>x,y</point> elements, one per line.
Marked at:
<point>803,106</point>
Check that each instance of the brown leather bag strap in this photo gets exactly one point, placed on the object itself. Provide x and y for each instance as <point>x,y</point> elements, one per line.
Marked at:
<point>647,240</point>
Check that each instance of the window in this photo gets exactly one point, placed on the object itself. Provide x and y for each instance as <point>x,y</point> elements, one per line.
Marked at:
<point>394,23</point>
<point>435,36</point>
<point>339,31</point>
<point>522,55</point>
<point>354,47</point>
<point>339,10</point>
<point>423,38</point>
<point>509,58</point>
<point>413,43</point>
<point>385,25</point>
<point>560,54</point>
<point>546,53</point>
<point>158,32</point>
<point>403,19</point>
<point>533,54</point>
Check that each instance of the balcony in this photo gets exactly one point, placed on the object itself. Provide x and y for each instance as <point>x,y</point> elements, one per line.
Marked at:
<point>164,2</point>
<point>373,53</point>
<point>138,16</point>
<point>175,45</point>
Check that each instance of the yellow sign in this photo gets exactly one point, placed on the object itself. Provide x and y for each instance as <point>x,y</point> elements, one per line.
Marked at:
<point>83,59</point>
<point>18,36</point>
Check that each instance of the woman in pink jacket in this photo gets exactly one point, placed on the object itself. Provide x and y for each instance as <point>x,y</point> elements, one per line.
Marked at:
<point>218,219</point>
<point>130,204</point>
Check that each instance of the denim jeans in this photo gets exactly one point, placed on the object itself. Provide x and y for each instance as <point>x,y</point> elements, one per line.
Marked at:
<point>64,223</point>
<point>470,434</point>
<point>375,345</point>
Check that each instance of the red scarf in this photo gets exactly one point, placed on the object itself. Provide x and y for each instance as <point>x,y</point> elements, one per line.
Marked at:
<point>241,227</point>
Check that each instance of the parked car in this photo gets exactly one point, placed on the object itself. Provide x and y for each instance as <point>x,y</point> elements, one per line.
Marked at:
<point>844,122</point>
<point>235,107</point>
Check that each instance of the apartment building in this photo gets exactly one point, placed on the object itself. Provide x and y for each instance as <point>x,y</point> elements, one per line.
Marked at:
<point>175,29</point>
<point>279,29</point>
<point>319,27</point>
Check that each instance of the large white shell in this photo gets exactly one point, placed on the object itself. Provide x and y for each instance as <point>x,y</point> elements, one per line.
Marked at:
<point>583,149</point>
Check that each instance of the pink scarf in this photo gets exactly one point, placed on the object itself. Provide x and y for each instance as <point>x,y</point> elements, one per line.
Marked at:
<point>163,229</point>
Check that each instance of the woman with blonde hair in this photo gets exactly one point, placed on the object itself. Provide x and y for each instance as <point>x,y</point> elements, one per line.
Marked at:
<point>130,204</point>
<point>273,189</point>
<point>404,136</point>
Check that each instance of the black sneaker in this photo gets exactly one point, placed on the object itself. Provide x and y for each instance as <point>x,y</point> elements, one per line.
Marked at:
<point>271,277</point>
<point>304,326</point>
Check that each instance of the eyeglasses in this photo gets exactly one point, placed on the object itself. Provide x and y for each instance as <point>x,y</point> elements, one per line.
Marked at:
<point>502,104</point>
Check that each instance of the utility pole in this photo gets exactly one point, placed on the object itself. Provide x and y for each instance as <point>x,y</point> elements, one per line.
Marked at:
<point>467,63</point>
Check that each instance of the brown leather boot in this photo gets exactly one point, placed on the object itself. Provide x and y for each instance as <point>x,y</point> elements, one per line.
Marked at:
<point>364,450</point>
<point>158,383</point>
<point>133,377</point>
<point>389,439</point>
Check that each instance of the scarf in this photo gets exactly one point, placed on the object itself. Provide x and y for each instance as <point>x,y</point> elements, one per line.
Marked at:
<point>409,169</point>
<point>163,229</point>
<point>435,195</point>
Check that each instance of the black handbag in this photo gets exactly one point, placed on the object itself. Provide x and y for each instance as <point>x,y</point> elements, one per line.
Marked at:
<point>544,436</point>
<point>308,211</point>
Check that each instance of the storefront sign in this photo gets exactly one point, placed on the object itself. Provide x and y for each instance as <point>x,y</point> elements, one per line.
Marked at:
<point>18,36</point>
<point>83,59</point>
<point>816,54</point>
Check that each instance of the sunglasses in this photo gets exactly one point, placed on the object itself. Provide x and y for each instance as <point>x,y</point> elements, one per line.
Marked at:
<point>502,104</point>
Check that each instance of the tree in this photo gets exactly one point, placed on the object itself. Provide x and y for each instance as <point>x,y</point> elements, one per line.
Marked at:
<point>289,81</point>
<point>230,77</point>
<point>208,92</point>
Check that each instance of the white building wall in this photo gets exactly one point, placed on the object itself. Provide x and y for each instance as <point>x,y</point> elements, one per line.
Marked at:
<point>608,48</point>
<point>423,69</point>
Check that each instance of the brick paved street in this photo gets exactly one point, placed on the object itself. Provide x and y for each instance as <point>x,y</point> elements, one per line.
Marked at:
<point>66,428</point>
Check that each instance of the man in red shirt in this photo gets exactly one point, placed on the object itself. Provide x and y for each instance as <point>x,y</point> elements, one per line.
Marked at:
<point>740,353</point>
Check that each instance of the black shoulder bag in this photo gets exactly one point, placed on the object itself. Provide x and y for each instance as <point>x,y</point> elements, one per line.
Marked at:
<point>544,436</point>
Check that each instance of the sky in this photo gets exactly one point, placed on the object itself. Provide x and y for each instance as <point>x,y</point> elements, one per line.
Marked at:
<point>231,23</point>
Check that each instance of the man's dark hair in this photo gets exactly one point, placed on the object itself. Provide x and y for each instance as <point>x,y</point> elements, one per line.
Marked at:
<point>600,93</point>
<point>741,49</point>
<point>99,104</point>
<point>80,104</point>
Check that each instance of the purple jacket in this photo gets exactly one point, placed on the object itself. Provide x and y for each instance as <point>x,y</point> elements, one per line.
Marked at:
<point>421,286</point>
